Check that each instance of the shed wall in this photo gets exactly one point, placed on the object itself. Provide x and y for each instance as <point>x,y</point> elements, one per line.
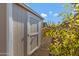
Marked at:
<point>34,31</point>
<point>19,30</point>
<point>3,29</point>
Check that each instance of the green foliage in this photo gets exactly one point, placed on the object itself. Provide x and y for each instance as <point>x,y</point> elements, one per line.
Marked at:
<point>65,36</point>
<point>65,39</point>
<point>66,6</point>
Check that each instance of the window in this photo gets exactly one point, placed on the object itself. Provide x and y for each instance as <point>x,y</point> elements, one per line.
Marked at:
<point>34,25</point>
<point>34,29</point>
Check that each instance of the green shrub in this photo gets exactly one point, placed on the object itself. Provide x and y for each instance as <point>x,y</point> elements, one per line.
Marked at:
<point>65,38</point>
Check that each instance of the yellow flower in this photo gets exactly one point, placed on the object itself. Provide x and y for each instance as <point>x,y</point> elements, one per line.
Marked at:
<point>70,25</point>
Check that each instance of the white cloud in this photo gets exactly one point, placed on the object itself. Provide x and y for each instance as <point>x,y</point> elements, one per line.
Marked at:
<point>50,12</point>
<point>55,14</point>
<point>43,15</point>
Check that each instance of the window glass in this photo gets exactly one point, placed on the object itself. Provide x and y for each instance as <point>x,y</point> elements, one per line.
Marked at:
<point>34,25</point>
<point>34,41</point>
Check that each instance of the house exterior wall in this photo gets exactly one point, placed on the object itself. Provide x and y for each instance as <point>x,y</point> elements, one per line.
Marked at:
<point>3,40</point>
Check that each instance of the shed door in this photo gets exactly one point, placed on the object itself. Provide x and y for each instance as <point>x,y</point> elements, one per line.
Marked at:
<point>33,33</point>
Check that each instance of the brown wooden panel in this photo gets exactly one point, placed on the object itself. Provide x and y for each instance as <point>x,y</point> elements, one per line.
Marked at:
<point>2,29</point>
<point>19,29</point>
<point>25,34</point>
<point>15,31</point>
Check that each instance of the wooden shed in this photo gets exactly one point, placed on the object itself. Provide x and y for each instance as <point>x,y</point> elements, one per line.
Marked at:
<point>20,29</point>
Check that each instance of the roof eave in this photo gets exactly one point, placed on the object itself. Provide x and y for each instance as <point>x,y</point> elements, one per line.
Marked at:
<point>31,10</point>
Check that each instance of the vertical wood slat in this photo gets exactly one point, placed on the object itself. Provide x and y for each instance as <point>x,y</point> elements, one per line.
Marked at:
<point>19,30</point>
<point>15,25</point>
<point>19,35</point>
<point>22,40</point>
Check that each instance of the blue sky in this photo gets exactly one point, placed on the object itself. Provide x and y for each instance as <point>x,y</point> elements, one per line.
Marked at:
<point>49,11</point>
